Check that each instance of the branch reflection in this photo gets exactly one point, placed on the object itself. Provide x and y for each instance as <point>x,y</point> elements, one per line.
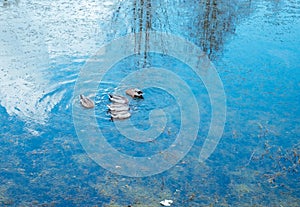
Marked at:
<point>207,23</point>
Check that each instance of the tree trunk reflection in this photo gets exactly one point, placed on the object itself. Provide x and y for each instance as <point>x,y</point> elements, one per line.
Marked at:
<point>207,23</point>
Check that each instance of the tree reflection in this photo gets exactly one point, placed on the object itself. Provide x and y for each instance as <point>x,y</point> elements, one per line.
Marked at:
<point>7,3</point>
<point>207,23</point>
<point>218,22</point>
<point>142,16</point>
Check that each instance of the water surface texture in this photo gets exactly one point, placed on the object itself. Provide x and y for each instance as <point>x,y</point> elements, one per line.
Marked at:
<point>254,47</point>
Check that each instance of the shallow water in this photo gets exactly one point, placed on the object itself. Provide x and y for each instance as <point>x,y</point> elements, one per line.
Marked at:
<point>46,45</point>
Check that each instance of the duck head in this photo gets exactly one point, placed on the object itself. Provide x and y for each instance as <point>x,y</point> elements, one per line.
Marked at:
<point>134,93</point>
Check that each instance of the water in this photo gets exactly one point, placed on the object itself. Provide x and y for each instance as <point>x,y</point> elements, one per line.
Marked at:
<point>254,46</point>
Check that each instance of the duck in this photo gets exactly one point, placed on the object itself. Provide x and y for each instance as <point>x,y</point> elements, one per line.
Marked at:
<point>118,99</point>
<point>120,115</point>
<point>86,102</point>
<point>114,107</point>
<point>134,93</point>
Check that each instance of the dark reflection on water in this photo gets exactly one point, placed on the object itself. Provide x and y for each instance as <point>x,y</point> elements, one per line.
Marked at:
<point>7,3</point>
<point>207,23</point>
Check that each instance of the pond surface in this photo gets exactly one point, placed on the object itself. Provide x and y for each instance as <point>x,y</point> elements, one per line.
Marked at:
<point>47,46</point>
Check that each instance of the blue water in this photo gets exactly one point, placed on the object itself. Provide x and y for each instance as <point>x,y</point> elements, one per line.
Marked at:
<point>254,46</point>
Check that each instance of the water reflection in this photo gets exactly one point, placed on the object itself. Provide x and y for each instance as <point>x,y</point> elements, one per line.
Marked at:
<point>142,16</point>
<point>23,57</point>
<point>7,3</point>
<point>208,23</point>
<point>214,24</point>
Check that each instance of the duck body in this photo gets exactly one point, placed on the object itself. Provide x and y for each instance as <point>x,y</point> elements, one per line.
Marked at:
<point>86,102</point>
<point>134,93</point>
<point>118,99</point>
<point>120,115</point>
<point>118,107</point>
